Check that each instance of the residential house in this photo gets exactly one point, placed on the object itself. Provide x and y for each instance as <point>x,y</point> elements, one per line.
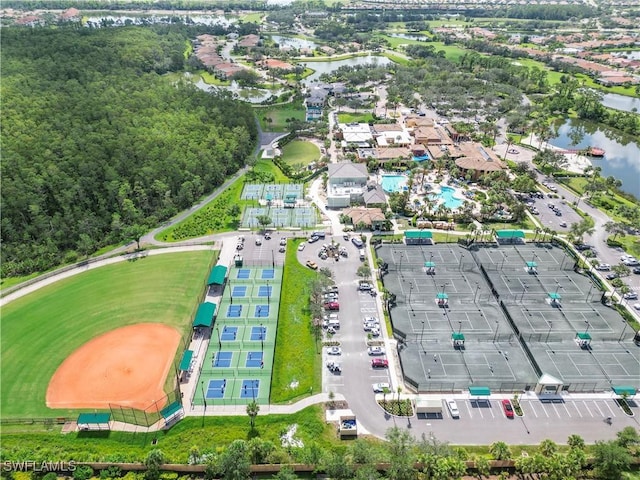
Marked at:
<point>250,41</point>
<point>372,218</point>
<point>374,196</point>
<point>354,133</point>
<point>390,134</point>
<point>71,14</point>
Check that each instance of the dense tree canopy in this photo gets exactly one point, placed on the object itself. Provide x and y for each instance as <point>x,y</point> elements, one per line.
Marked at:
<point>96,143</point>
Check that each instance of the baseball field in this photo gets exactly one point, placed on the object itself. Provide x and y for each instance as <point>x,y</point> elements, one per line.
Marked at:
<point>111,326</point>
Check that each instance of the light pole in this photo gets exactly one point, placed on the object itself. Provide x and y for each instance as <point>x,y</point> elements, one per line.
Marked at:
<point>204,399</point>
<point>477,290</point>
<point>459,327</point>
<point>504,257</point>
<point>460,263</point>
<point>588,325</point>
<point>589,293</point>
<point>219,340</point>
<point>626,324</point>
<point>273,260</point>
<point>524,289</point>
<point>422,335</point>
<point>262,337</point>
<point>268,293</point>
<point>410,292</point>
<point>495,335</point>
<point>400,264</point>
<point>549,332</point>
<point>558,286</point>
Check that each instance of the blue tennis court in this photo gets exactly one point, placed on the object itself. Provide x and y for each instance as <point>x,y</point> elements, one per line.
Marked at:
<point>250,389</point>
<point>229,334</point>
<point>234,310</point>
<point>254,359</point>
<point>258,333</point>
<point>268,273</point>
<point>239,291</point>
<point>264,290</point>
<point>243,273</point>
<point>262,311</point>
<point>223,359</point>
<point>216,388</point>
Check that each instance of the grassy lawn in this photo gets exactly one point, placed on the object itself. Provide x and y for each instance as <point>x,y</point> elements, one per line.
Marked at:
<point>355,117</point>
<point>631,244</point>
<point>452,52</point>
<point>553,77</point>
<point>252,17</point>
<point>525,224</point>
<point>295,339</point>
<point>214,217</point>
<point>205,434</point>
<point>41,329</point>
<point>300,152</point>
<point>394,42</point>
<point>274,118</point>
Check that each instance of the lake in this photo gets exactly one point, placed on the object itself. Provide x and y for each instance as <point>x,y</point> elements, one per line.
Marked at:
<point>621,102</point>
<point>410,36</point>
<point>622,157</point>
<point>293,42</point>
<point>330,66</point>
<point>251,95</point>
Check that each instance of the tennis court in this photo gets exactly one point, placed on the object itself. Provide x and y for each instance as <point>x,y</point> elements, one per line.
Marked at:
<point>300,216</point>
<point>242,344</point>
<point>252,191</point>
<point>216,388</point>
<point>293,190</point>
<point>223,359</point>
<point>507,317</point>
<point>229,334</point>
<point>239,291</point>
<point>234,311</point>
<point>304,217</point>
<point>250,389</point>
<point>258,333</point>
<point>254,359</point>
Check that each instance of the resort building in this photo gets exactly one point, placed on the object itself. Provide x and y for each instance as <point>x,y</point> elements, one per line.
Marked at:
<point>354,133</point>
<point>390,134</point>
<point>374,196</point>
<point>347,184</point>
<point>477,160</point>
<point>372,218</point>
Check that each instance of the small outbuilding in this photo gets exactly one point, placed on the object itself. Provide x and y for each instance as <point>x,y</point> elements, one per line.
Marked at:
<point>418,237</point>
<point>510,237</point>
<point>94,421</point>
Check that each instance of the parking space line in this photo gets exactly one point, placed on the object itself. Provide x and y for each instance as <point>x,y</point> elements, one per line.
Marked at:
<point>587,407</point>
<point>609,407</point>
<point>596,405</point>
<point>564,405</point>
<point>555,409</point>
<point>467,404</point>
<point>577,409</point>
<point>533,409</point>
<point>544,409</point>
<point>491,411</point>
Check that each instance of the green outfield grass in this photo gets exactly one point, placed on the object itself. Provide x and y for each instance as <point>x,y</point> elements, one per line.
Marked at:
<point>300,152</point>
<point>43,328</point>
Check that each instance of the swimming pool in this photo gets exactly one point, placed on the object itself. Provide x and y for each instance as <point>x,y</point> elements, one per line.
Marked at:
<point>447,195</point>
<point>420,158</point>
<point>394,183</point>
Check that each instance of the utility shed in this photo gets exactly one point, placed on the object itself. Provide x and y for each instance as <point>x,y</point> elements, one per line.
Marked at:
<point>429,406</point>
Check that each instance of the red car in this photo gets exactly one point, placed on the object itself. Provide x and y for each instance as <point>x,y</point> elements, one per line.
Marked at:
<point>508,409</point>
<point>332,306</point>
<point>379,363</point>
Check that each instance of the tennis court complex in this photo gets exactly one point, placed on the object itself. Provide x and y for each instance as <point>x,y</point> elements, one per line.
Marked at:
<point>501,317</point>
<point>301,216</point>
<point>239,359</point>
<point>272,191</point>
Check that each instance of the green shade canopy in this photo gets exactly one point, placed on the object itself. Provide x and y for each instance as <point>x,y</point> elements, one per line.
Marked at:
<point>457,336</point>
<point>93,418</point>
<point>217,275</point>
<point>430,264</point>
<point>583,336</point>
<point>418,234</point>
<point>509,234</point>
<point>170,410</point>
<point>269,197</point>
<point>532,264</point>
<point>623,390</point>
<point>480,391</point>
<point>442,296</point>
<point>186,360</point>
<point>555,296</point>
<point>204,315</point>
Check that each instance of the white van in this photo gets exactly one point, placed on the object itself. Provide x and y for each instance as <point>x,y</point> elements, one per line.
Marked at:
<point>335,323</point>
<point>362,254</point>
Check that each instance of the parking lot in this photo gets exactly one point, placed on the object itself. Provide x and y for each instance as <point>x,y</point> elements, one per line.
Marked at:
<point>548,217</point>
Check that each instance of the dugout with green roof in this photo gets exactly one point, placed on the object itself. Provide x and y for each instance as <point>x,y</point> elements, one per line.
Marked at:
<point>94,421</point>
<point>479,391</point>
<point>185,363</point>
<point>217,275</point>
<point>418,234</point>
<point>171,410</point>
<point>204,315</point>
<point>509,234</point>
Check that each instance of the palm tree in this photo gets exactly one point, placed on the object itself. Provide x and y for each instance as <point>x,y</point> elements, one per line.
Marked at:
<point>616,228</point>
<point>252,410</point>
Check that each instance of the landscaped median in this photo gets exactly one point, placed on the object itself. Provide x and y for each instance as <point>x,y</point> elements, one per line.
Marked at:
<point>297,363</point>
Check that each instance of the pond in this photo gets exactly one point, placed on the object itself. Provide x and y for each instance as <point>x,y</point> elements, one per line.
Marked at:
<point>330,66</point>
<point>622,154</point>
<point>293,42</point>
<point>251,95</point>
<point>621,102</point>
<point>410,36</point>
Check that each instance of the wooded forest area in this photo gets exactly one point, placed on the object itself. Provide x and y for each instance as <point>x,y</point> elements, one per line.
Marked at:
<point>97,145</point>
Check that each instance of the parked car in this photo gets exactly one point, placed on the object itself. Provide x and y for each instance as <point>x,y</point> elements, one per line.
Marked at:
<point>345,236</point>
<point>334,367</point>
<point>267,236</point>
<point>582,246</point>
<point>375,332</point>
<point>603,267</point>
<point>301,246</point>
<point>282,249</point>
<point>313,239</point>
<point>630,296</point>
<point>331,289</point>
<point>636,270</point>
<point>558,213</point>
<point>375,351</point>
<point>453,408</point>
<point>334,351</point>
<point>312,265</point>
<point>381,387</point>
<point>332,306</point>
<point>365,287</point>
<point>357,242</point>
<point>283,241</point>
<point>636,306</point>
<point>563,224</point>
<point>379,363</point>
<point>632,262</point>
<point>508,409</point>
<point>612,276</point>
<point>258,242</point>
